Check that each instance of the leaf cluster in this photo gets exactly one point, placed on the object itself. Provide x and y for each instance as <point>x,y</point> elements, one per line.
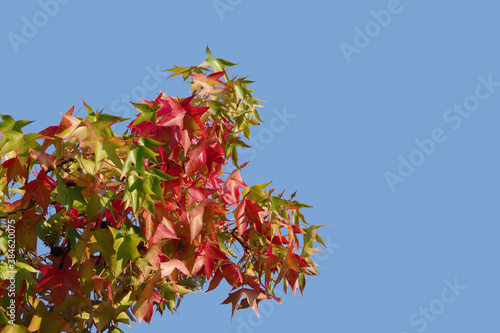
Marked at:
<point>134,222</point>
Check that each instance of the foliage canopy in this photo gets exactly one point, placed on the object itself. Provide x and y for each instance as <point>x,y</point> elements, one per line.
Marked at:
<point>136,221</point>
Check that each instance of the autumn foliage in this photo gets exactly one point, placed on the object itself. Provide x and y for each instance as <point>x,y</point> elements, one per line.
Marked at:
<point>112,228</point>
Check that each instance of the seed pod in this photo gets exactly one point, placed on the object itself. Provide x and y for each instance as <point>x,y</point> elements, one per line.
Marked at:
<point>51,232</point>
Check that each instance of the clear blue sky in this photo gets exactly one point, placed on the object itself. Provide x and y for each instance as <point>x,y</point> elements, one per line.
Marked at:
<point>382,114</point>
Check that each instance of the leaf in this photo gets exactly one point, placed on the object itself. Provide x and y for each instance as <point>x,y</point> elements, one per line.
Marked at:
<point>26,234</point>
<point>168,267</point>
<point>107,148</point>
<point>210,252</point>
<point>207,84</point>
<point>46,161</point>
<point>68,125</point>
<point>102,241</point>
<point>183,118</point>
<point>15,329</point>
<point>39,190</point>
<point>103,314</point>
<point>15,169</point>
<point>217,64</point>
<point>230,190</point>
<point>184,71</point>
<point>59,282</point>
<point>253,297</point>
<point>256,192</point>
<point>127,250</point>
<point>52,322</point>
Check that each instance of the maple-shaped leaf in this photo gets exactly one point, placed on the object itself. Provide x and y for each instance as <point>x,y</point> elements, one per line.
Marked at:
<point>158,226</point>
<point>203,214</point>
<point>232,275</point>
<point>231,189</point>
<point>217,64</point>
<point>9,124</point>
<point>143,308</point>
<point>185,71</point>
<point>39,190</point>
<point>184,119</point>
<point>207,83</point>
<point>209,253</point>
<point>27,224</point>
<point>198,193</point>
<point>59,282</point>
<point>99,283</point>
<point>68,124</point>
<point>46,161</point>
<point>15,169</point>
<point>168,267</point>
<point>207,154</point>
<point>252,299</point>
<point>249,212</point>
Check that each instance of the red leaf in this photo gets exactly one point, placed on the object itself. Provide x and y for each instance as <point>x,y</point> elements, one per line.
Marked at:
<point>159,226</point>
<point>232,275</point>
<point>232,185</point>
<point>202,215</point>
<point>46,161</point>
<point>28,237</point>
<point>216,280</point>
<point>183,118</point>
<point>99,283</point>
<point>59,282</point>
<point>143,308</point>
<point>210,251</point>
<point>15,169</point>
<point>252,299</point>
<point>39,190</point>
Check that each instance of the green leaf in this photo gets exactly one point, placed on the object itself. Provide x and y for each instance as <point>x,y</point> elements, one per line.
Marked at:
<point>127,250</point>
<point>217,65</point>
<point>160,174</point>
<point>70,194</point>
<point>89,109</point>
<point>9,124</point>
<point>103,314</point>
<point>102,241</point>
<point>92,206</point>
<point>3,318</point>
<point>256,192</point>
<point>185,71</point>
<point>142,108</point>
<point>110,145</point>
<point>145,117</point>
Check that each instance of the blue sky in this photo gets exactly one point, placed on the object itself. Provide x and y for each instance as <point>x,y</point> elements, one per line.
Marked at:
<point>382,114</point>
